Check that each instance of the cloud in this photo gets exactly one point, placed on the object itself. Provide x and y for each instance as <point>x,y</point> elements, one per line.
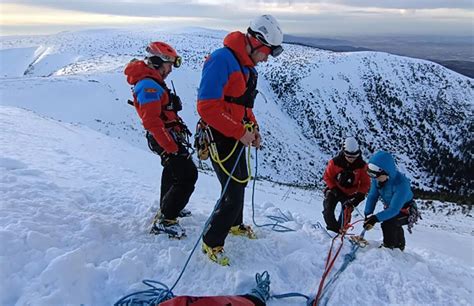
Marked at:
<point>139,8</point>
<point>240,9</point>
<point>318,17</point>
<point>392,4</point>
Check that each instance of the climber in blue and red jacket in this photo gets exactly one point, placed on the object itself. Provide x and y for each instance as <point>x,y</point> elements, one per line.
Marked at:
<point>225,101</point>
<point>167,134</point>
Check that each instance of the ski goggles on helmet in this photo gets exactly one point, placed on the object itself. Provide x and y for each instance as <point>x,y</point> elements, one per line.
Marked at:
<point>351,154</point>
<point>176,61</point>
<point>157,60</point>
<point>375,171</point>
<point>267,48</point>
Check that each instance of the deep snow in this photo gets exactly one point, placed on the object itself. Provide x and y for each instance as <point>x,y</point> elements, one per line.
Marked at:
<point>76,207</point>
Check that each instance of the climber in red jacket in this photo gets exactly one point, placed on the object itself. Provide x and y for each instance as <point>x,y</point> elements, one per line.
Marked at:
<point>225,101</point>
<point>347,182</point>
<point>167,134</point>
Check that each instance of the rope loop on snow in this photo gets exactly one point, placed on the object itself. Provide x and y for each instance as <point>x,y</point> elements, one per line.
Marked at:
<point>150,297</point>
<point>276,226</point>
<point>262,291</point>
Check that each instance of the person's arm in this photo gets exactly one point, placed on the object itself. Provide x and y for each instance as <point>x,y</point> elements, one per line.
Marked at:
<point>330,175</point>
<point>372,199</point>
<point>211,104</point>
<point>150,98</point>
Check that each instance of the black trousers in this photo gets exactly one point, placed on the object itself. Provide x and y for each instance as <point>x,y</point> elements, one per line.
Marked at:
<point>177,184</point>
<point>177,179</point>
<point>230,211</point>
<point>393,234</point>
<point>330,203</point>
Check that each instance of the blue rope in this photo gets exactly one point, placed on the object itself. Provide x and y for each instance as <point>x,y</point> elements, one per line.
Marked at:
<point>348,258</point>
<point>262,291</point>
<point>156,295</point>
<point>290,294</point>
<point>282,218</point>
<point>149,297</point>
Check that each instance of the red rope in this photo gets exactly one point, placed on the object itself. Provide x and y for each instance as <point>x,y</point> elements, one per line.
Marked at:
<point>330,261</point>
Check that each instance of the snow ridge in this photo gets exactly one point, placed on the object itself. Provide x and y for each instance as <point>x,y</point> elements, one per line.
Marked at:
<point>310,100</point>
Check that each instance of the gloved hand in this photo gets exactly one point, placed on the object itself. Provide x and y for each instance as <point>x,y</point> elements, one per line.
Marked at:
<point>348,204</point>
<point>370,222</point>
<point>354,200</point>
<point>335,192</point>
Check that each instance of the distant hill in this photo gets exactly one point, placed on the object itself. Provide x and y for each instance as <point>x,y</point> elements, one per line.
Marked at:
<point>455,53</point>
<point>463,67</point>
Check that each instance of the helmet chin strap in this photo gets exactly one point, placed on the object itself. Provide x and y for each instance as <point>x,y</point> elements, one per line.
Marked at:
<point>252,49</point>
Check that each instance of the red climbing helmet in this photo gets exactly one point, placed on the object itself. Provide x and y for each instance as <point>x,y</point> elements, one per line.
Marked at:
<point>160,52</point>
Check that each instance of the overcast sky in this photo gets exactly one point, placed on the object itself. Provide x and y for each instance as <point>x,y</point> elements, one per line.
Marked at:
<point>320,18</point>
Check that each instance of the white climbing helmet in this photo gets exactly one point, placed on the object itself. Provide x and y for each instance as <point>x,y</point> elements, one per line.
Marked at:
<point>267,30</point>
<point>351,147</point>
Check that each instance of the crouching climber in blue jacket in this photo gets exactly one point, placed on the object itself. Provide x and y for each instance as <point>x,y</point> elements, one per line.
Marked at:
<point>393,188</point>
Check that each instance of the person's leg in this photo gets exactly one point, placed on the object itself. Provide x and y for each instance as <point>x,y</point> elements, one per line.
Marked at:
<point>232,201</point>
<point>166,183</point>
<point>183,176</point>
<point>329,204</point>
<point>241,172</point>
<point>393,234</point>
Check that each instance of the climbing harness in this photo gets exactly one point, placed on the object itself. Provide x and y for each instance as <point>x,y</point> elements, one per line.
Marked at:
<point>202,140</point>
<point>411,210</point>
<point>205,146</point>
<point>247,99</point>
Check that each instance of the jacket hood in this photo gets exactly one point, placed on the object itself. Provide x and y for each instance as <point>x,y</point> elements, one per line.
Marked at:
<point>137,70</point>
<point>385,161</point>
<point>236,42</point>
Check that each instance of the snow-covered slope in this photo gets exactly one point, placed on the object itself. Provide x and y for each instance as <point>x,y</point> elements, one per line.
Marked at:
<point>75,211</point>
<point>310,99</point>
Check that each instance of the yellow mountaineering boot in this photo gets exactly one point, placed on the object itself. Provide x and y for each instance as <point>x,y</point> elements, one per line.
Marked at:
<point>216,254</point>
<point>243,230</point>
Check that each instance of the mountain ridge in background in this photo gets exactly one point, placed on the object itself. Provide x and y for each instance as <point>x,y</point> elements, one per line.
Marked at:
<point>455,53</point>
<point>310,100</point>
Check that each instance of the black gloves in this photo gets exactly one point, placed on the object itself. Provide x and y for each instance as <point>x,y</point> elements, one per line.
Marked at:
<point>370,222</point>
<point>359,197</point>
<point>354,201</point>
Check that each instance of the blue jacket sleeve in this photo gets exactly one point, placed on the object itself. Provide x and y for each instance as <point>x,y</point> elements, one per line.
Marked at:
<point>372,198</point>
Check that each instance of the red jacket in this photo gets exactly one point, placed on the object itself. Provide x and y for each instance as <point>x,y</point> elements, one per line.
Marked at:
<point>223,76</point>
<point>349,178</point>
<point>150,98</point>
